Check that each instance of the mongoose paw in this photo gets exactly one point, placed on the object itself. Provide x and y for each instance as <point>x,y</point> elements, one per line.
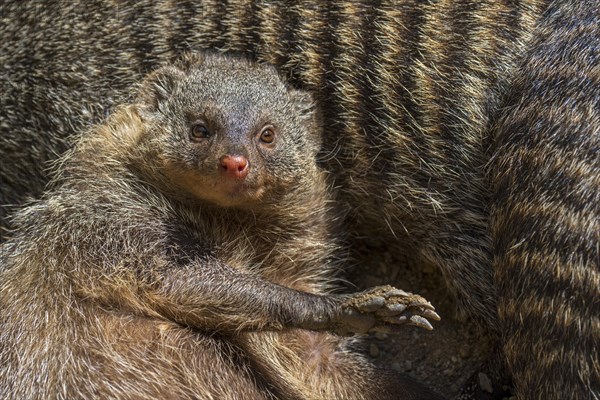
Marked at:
<point>384,309</point>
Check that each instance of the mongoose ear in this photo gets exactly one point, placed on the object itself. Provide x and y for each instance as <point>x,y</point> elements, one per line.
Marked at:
<point>158,87</point>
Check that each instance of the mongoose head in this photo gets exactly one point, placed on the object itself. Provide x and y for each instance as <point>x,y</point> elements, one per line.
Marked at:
<point>228,131</point>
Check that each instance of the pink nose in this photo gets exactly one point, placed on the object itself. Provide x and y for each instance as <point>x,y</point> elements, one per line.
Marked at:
<point>234,166</point>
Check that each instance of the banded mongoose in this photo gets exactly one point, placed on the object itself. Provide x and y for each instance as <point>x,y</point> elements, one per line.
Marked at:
<point>186,251</point>
<point>409,92</point>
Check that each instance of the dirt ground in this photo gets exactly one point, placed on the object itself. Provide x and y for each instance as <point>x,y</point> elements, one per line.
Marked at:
<point>444,358</point>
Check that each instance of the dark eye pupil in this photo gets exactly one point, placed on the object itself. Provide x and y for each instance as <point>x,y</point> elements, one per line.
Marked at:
<point>199,131</point>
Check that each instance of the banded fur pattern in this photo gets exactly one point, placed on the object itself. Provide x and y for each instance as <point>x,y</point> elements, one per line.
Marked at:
<point>404,88</point>
<point>546,211</point>
<point>407,90</point>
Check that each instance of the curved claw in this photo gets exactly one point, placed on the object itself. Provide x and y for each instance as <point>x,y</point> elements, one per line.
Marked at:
<point>385,309</point>
<point>417,320</point>
<point>431,315</point>
<point>424,305</point>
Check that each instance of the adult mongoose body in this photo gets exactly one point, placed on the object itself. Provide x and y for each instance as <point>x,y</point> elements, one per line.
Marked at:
<point>186,251</point>
<point>545,217</point>
<point>410,92</point>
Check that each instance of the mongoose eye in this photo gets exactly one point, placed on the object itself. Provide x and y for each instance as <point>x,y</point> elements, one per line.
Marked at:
<point>267,135</point>
<point>199,131</point>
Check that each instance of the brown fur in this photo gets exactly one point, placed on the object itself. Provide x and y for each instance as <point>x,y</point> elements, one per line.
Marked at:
<point>546,214</point>
<point>147,272</point>
<point>408,91</point>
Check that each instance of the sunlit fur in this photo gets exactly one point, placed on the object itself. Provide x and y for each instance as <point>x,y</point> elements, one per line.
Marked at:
<point>409,90</point>
<point>546,210</point>
<point>128,281</point>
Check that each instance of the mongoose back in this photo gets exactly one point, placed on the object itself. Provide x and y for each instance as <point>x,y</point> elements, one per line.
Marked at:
<point>546,212</point>
<point>186,251</point>
<point>407,88</point>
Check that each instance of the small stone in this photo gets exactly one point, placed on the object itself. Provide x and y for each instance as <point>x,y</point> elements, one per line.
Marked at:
<point>485,383</point>
<point>408,365</point>
<point>454,359</point>
<point>380,336</point>
<point>396,366</point>
<point>373,350</point>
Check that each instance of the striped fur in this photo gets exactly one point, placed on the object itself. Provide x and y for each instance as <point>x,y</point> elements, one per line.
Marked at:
<point>546,210</point>
<point>407,91</point>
